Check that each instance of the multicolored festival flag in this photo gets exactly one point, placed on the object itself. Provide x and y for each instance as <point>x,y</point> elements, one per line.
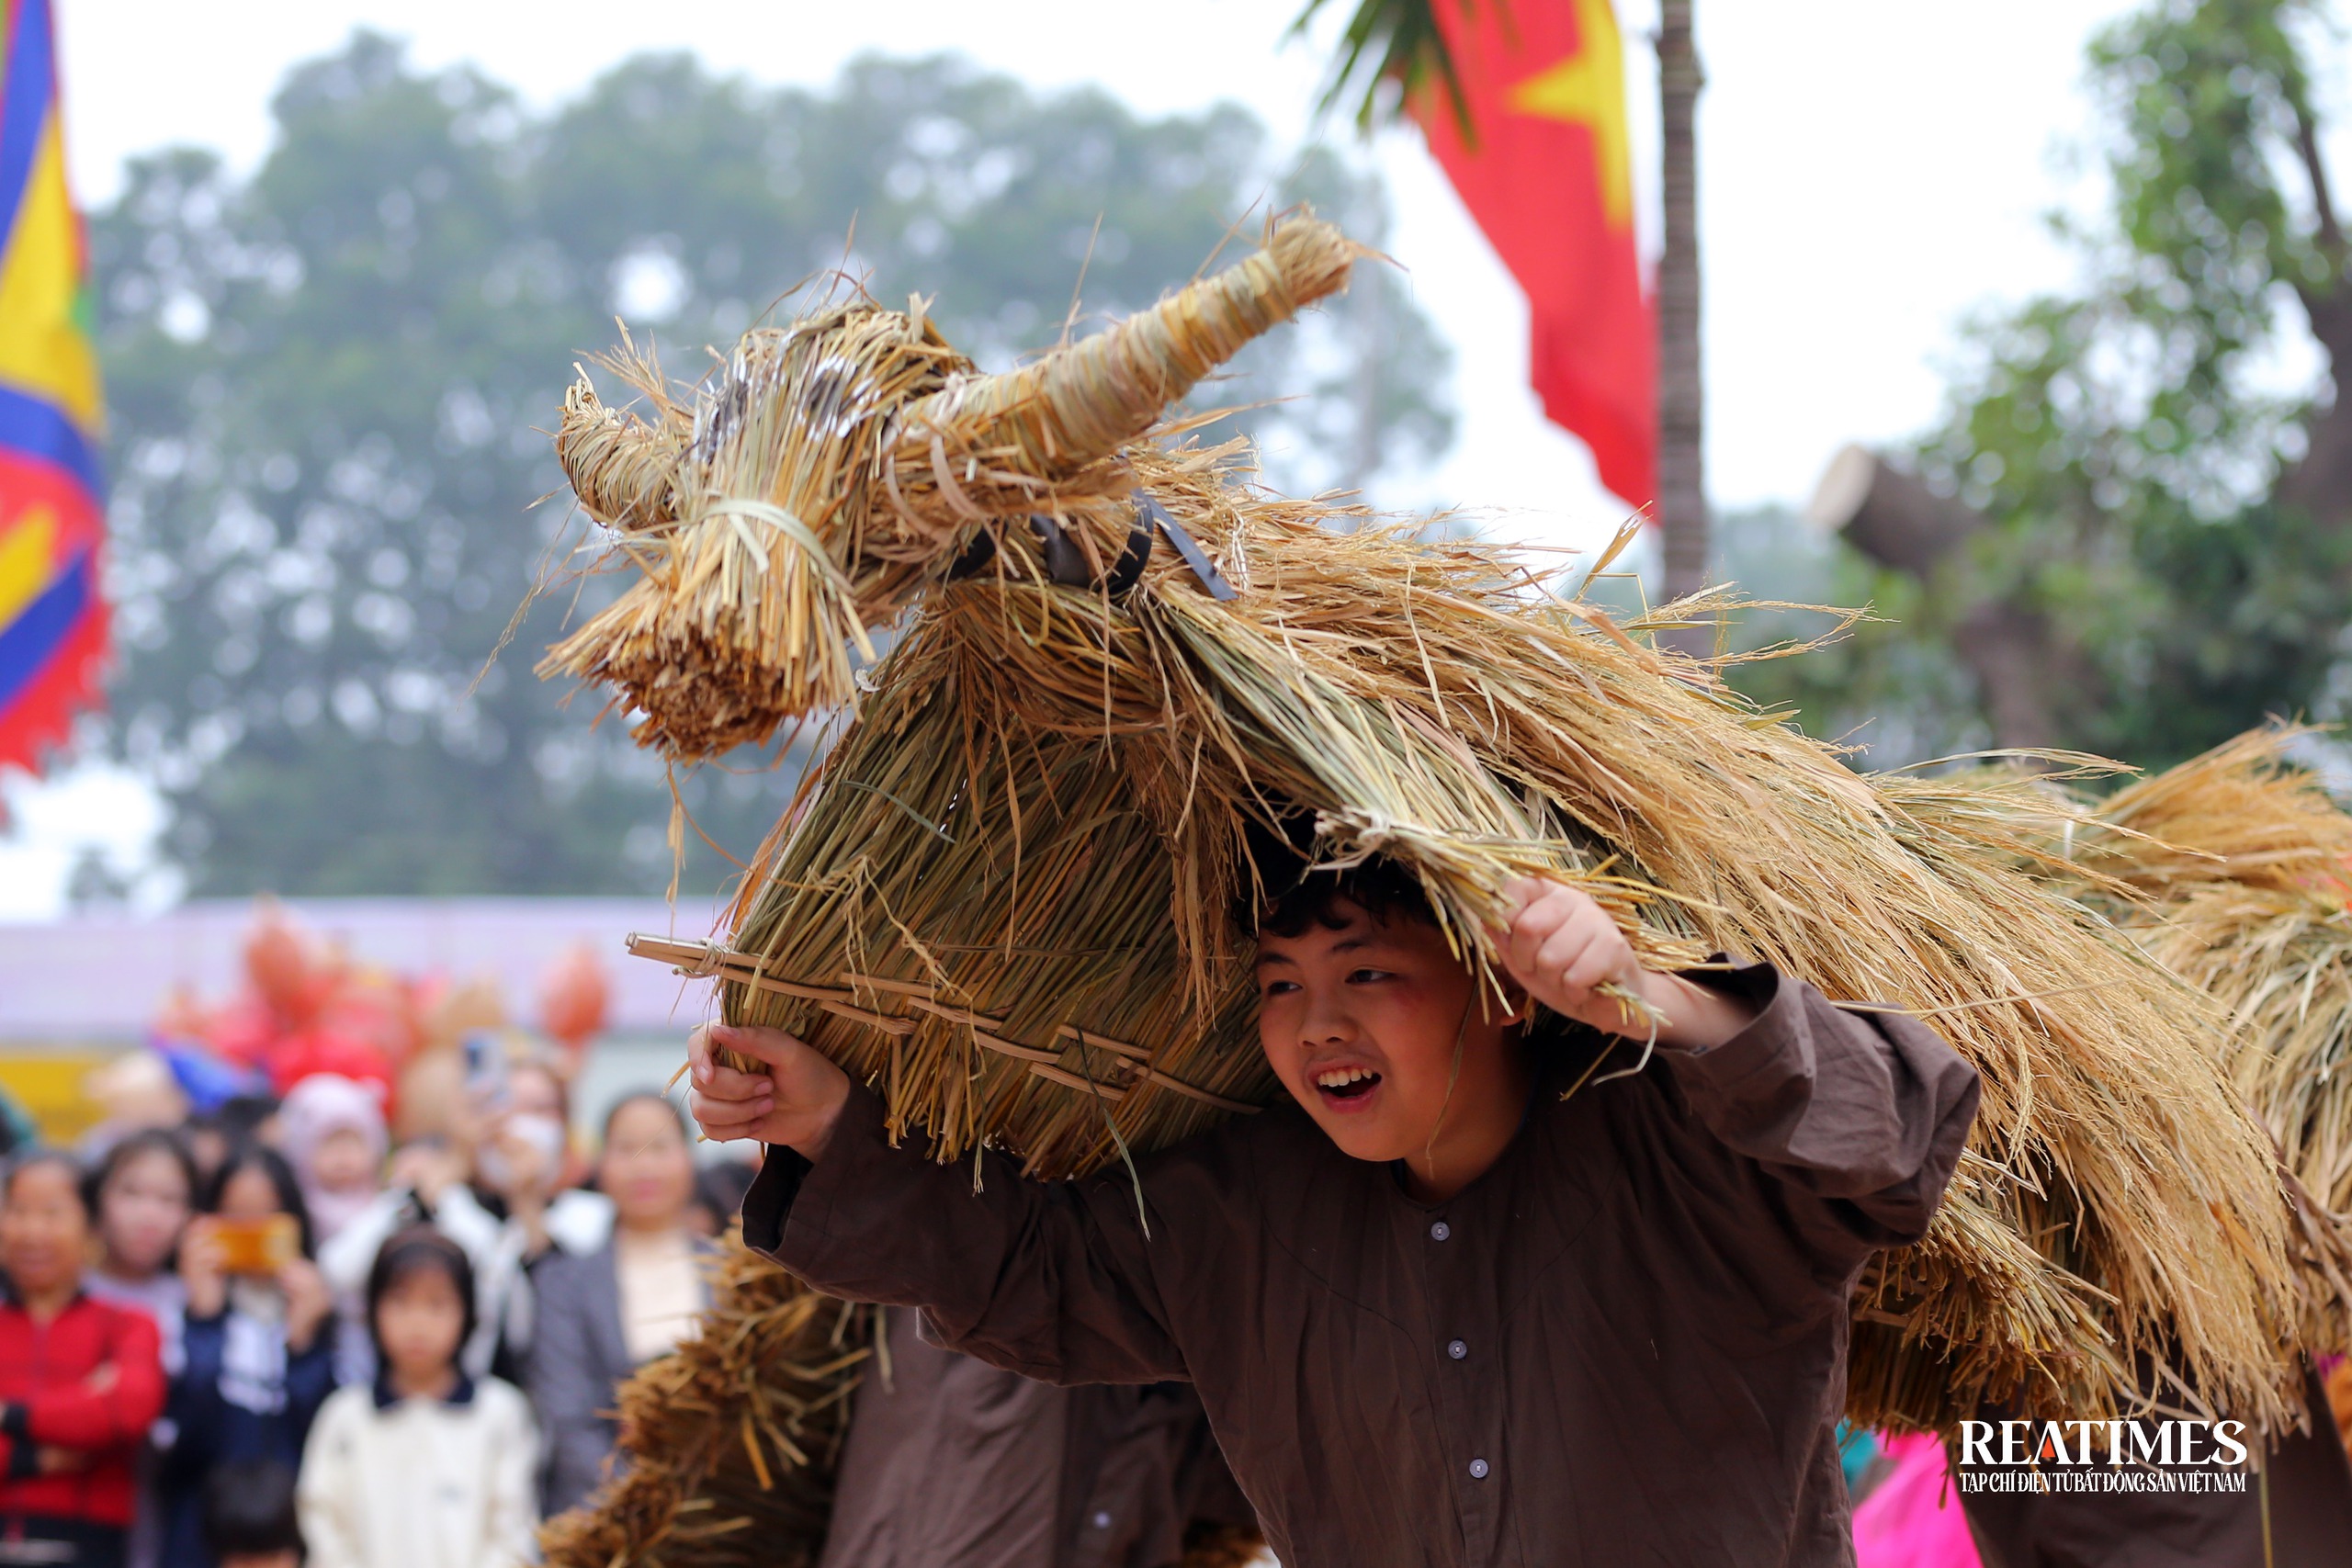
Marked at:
<point>52,619</point>
<point>1547,173</point>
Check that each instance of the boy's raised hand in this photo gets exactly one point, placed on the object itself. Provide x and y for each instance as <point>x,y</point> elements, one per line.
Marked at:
<point>1563,948</point>
<point>794,1100</point>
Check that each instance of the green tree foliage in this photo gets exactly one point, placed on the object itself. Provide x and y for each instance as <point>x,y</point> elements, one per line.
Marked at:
<point>2172,524</point>
<point>325,381</point>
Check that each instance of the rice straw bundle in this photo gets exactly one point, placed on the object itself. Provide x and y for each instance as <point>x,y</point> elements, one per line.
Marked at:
<point>732,1439</point>
<point>2241,859</point>
<point>1004,898</point>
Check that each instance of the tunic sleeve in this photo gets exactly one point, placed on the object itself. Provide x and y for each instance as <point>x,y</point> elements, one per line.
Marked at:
<point>1860,1116</point>
<point>1055,1280</point>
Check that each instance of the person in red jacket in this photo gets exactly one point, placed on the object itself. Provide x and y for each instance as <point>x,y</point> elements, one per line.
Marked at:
<point>81,1380</point>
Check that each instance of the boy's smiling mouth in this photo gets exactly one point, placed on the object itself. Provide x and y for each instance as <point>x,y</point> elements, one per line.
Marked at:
<point>1345,1084</point>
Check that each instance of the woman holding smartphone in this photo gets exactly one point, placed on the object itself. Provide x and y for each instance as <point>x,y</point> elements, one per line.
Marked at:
<point>259,1356</point>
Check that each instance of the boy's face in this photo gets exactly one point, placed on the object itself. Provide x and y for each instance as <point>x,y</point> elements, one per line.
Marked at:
<point>1362,1022</point>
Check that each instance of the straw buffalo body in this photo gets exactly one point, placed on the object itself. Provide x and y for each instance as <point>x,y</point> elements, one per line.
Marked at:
<point>1005,896</point>
<point>2234,870</point>
<point>731,1439</point>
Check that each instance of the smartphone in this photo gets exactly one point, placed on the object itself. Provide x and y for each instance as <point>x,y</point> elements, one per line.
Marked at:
<point>261,1246</point>
<point>485,1059</point>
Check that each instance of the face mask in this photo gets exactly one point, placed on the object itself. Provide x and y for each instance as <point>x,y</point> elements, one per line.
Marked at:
<point>540,1133</point>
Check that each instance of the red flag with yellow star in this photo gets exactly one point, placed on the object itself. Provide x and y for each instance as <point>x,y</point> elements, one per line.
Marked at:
<point>1547,173</point>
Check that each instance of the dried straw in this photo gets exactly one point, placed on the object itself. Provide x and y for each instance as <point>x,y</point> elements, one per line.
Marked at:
<point>2241,860</point>
<point>730,1440</point>
<point>1003,900</point>
<point>828,471</point>
<point>1037,821</point>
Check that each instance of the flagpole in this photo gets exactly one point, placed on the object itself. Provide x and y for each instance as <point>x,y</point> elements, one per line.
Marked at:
<point>1681,465</point>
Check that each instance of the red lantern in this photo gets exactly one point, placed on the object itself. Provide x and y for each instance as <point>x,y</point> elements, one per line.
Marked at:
<point>575,998</point>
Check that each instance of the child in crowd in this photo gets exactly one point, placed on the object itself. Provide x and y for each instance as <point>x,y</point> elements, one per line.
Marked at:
<point>427,1468</point>
<point>80,1381</point>
<point>249,1516</point>
<point>331,1130</point>
<point>259,1353</point>
<point>1474,1302</point>
<point>142,1194</point>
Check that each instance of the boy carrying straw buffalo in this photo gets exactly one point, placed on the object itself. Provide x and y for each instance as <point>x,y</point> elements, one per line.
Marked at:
<point>1508,1286</point>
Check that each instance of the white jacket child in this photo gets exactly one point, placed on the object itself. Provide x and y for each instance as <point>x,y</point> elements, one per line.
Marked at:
<point>420,1483</point>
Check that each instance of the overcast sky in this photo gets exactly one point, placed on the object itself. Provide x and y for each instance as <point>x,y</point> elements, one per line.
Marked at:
<point>1870,173</point>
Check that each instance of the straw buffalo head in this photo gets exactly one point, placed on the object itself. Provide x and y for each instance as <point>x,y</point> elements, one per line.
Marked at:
<point>829,471</point>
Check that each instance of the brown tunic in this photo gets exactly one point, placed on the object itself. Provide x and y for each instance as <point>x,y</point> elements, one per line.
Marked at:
<point>952,1464</point>
<point>1624,1343</point>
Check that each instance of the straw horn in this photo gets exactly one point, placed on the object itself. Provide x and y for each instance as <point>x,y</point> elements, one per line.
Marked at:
<point>620,467</point>
<point>1085,401</point>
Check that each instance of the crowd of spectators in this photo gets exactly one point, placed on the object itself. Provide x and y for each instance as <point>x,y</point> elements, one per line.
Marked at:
<point>273,1334</point>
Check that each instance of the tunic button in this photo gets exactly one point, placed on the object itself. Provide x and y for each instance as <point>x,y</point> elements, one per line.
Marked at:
<point>1477,1469</point>
<point>1440,1231</point>
<point>1102,1521</point>
<point>1456,1348</point>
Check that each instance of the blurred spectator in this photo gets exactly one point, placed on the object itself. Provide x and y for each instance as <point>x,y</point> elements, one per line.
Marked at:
<point>249,1516</point>
<point>259,1356</point>
<point>210,1135</point>
<point>426,1468</point>
<point>428,1186</point>
<point>719,1186</point>
<point>602,1315</point>
<point>142,1195</point>
<point>135,1092</point>
<point>17,1129</point>
<point>331,1130</point>
<point>80,1379</point>
<point>525,1172</point>
<point>205,1137</point>
<point>528,1163</point>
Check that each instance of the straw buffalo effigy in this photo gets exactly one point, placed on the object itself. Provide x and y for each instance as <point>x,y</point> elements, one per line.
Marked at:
<point>1076,663</point>
<point>729,1441</point>
<point>2234,871</point>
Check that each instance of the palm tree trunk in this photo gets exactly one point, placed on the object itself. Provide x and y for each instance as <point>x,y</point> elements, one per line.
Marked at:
<point>1682,459</point>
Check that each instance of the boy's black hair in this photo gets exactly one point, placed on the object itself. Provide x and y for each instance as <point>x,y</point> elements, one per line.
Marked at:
<point>249,1509</point>
<point>147,1141</point>
<point>1381,888</point>
<point>1296,896</point>
<point>414,1251</point>
<point>43,1154</point>
<point>273,1166</point>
